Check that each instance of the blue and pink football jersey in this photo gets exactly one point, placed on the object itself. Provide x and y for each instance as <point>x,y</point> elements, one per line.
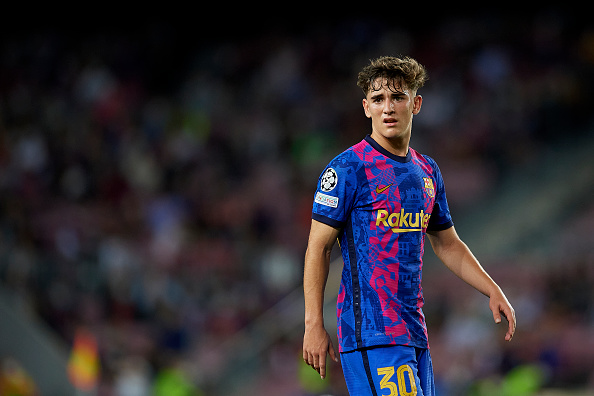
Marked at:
<point>383,204</point>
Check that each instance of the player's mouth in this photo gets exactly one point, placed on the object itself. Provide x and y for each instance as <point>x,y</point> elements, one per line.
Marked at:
<point>390,121</point>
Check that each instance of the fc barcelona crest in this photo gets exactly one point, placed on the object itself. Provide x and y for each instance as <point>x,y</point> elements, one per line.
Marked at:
<point>429,189</point>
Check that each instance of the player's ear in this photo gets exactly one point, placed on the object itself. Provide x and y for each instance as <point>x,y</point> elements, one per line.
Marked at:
<point>366,108</point>
<point>417,102</point>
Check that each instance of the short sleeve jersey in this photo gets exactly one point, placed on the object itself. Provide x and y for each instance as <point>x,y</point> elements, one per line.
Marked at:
<point>383,204</point>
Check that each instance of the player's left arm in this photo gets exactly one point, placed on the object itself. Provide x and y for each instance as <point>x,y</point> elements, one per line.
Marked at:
<point>456,255</point>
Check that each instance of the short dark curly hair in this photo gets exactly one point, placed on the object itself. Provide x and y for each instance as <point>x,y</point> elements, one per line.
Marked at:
<point>399,72</point>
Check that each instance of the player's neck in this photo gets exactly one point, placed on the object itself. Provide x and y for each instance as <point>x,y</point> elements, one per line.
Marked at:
<point>396,145</point>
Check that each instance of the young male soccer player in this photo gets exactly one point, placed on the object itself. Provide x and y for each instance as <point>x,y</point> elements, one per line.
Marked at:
<point>379,198</point>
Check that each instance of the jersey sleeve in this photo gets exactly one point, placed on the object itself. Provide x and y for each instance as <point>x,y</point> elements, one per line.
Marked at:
<point>440,219</point>
<point>335,193</point>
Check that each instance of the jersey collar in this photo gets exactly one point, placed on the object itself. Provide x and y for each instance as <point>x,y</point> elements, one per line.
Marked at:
<point>385,152</point>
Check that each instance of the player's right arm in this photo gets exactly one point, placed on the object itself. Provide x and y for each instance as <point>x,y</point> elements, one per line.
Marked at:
<point>316,341</point>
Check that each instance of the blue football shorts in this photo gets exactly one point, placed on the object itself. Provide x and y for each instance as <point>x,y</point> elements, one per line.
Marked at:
<point>391,370</point>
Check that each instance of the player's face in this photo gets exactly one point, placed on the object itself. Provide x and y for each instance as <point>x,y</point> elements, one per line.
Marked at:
<point>391,109</point>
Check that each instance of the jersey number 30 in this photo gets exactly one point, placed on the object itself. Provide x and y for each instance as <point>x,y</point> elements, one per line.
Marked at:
<point>385,382</point>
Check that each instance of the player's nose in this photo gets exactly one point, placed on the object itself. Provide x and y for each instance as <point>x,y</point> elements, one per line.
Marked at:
<point>388,107</point>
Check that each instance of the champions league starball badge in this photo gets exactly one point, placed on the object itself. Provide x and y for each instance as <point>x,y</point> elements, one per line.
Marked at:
<point>329,180</point>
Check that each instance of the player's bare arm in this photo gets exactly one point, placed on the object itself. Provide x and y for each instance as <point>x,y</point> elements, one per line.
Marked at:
<point>316,341</point>
<point>454,253</point>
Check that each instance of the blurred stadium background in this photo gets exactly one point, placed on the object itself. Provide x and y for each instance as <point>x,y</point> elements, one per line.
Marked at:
<point>156,182</point>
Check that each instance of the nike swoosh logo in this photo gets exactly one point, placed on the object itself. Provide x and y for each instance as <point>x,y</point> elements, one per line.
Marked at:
<point>381,190</point>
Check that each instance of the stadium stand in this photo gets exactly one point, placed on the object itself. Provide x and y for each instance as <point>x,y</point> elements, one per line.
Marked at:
<point>156,187</point>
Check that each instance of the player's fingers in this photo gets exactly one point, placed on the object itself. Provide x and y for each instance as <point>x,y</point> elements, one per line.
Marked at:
<point>510,332</point>
<point>511,319</point>
<point>316,363</point>
<point>322,369</point>
<point>332,353</point>
<point>496,315</point>
<point>310,359</point>
<point>322,364</point>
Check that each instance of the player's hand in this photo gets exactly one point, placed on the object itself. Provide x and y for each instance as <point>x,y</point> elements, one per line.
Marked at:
<point>499,304</point>
<point>316,344</point>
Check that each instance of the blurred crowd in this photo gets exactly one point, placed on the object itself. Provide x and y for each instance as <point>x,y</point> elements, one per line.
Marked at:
<point>156,187</point>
